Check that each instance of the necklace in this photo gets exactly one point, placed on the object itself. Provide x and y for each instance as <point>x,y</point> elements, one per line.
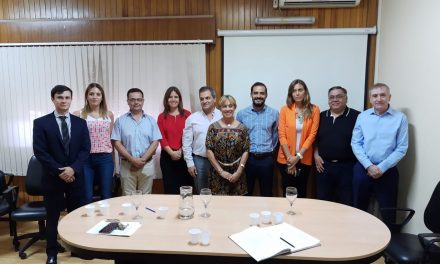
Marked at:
<point>227,124</point>
<point>300,116</point>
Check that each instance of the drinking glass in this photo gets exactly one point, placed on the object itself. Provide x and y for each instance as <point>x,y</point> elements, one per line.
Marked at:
<point>291,194</point>
<point>205,196</point>
<point>136,199</point>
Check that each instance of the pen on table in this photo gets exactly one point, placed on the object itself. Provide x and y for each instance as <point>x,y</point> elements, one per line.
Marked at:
<point>149,209</point>
<point>287,242</point>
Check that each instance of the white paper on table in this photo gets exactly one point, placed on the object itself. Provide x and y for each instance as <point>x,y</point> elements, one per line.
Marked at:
<point>128,231</point>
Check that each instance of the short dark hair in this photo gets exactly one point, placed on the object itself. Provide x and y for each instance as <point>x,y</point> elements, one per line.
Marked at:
<point>207,88</point>
<point>59,89</point>
<point>135,90</point>
<point>338,88</point>
<point>258,84</point>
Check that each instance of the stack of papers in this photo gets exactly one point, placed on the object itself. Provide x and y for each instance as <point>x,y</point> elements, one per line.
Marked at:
<point>129,230</point>
<point>266,242</point>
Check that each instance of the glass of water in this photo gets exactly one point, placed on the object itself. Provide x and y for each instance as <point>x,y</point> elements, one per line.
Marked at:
<point>291,194</point>
<point>136,199</point>
<point>205,196</point>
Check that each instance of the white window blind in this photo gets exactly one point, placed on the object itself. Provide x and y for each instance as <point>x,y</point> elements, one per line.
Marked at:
<point>27,74</point>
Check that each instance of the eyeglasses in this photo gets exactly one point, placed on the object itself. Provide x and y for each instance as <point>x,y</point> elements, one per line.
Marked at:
<point>336,97</point>
<point>139,100</point>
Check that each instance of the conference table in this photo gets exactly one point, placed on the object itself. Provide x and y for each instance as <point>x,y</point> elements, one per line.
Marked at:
<point>347,235</point>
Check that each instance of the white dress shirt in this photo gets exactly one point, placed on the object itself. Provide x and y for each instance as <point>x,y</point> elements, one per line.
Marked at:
<point>194,134</point>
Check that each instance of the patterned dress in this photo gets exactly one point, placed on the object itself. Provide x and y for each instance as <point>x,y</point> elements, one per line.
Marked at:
<point>228,145</point>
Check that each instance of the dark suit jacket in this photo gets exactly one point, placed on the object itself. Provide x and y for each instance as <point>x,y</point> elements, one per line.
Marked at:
<point>49,150</point>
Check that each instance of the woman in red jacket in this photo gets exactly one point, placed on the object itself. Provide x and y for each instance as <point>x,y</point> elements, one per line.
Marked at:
<point>171,123</point>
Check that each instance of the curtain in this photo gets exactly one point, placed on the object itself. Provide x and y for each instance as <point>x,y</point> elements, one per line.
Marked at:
<point>27,74</point>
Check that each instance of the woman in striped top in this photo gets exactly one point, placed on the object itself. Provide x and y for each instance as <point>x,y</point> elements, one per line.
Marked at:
<point>99,167</point>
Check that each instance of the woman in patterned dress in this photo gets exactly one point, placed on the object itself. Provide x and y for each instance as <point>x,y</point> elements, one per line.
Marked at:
<point>227,144</point>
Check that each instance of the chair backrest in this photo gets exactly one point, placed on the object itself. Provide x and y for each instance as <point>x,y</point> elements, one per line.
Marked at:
<point>432,211</point>
<point>3,184</point>
<point>34,176</point>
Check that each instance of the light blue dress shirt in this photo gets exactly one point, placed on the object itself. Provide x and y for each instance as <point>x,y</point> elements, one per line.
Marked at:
<point>381,140</point>
<point>136,136</point>
<point>262,126</point>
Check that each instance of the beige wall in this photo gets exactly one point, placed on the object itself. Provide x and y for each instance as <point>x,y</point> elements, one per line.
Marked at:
<point>408,59</point>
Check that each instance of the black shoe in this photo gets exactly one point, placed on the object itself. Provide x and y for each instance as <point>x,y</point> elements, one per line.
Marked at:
<point>51,260</point>
<point>60,248</point>
<point>72,254</point>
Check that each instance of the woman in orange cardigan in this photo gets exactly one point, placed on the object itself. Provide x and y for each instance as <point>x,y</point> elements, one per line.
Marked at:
<point>298,125</point>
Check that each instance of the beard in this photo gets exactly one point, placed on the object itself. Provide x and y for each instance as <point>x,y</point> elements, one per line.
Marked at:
<point>256,104</point>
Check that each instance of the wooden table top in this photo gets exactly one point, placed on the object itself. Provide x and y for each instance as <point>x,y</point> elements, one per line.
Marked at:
<point>346,233</point>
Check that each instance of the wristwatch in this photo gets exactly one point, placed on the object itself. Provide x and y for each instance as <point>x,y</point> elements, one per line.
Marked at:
<point>299,155</point>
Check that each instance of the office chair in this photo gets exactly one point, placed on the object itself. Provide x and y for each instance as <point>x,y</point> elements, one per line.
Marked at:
<point>8,198</point>
<point>30,211</point>
<point>431,217</point>
<point>410,248</point>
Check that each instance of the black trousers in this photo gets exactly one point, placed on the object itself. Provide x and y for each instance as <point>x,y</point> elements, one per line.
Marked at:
<point>55,201</point>
<point>260,169</point>
<point>299,180</point>
<point>174,173</point>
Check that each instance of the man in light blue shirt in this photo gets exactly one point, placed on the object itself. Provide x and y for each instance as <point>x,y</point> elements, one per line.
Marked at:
<point>136,136</point>
<point>262,122</point>
<point>379,142</point>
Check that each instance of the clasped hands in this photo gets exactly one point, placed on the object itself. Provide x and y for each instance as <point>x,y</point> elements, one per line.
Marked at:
<point>176,154</point>
<point>67,174</point>
<point>292,161</point>
<point>231,177</point>
<point>137,163</point>
<point>374,172</point>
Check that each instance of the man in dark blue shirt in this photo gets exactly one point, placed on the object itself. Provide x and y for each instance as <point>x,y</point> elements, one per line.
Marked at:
<point>333,155</point>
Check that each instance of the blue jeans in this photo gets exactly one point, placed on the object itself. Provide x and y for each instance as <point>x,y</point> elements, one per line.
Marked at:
<point>98,169</point>
<point>202,166</point>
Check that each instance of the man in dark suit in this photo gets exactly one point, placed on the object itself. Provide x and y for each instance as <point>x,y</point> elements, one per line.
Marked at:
<point>61,143</point>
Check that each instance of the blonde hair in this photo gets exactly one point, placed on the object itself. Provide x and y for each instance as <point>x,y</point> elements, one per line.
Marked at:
<point>225,98</point>
<point>103,111</point>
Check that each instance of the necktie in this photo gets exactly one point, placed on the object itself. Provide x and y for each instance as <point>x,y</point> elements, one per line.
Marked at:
<point>65,134</point>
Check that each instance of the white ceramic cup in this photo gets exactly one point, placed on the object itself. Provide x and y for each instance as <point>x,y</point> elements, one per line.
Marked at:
<point>265,217</point>
<point>104,208</point>
<point>102,202</point>
<point>126,208</point>
<point>205,237</point>
<point>194,234</point>
<point>254,219</point>
<point>162,211</point>
<point>277,218</point>
<point>90,209</point>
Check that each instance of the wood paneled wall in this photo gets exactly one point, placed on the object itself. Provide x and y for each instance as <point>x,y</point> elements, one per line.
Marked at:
<point>115,20</point>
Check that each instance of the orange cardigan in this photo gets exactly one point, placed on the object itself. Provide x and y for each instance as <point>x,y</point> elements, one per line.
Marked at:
<point>287,133</point>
